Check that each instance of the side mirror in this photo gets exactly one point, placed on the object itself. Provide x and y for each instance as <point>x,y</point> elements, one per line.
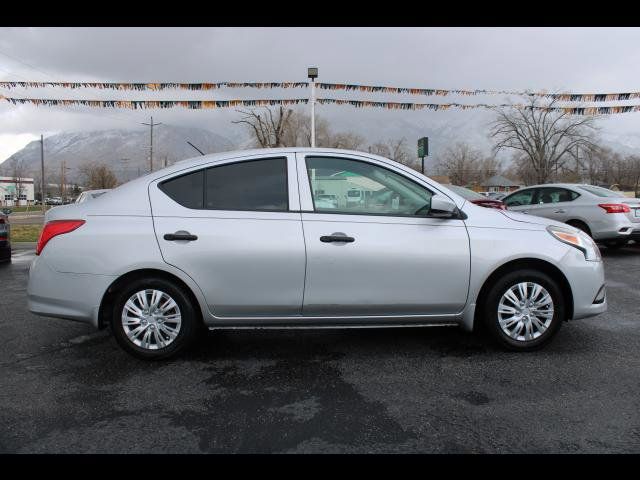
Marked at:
<point>443,207</point>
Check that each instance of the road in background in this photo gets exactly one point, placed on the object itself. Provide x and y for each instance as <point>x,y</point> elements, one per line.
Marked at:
<point>66,388</point>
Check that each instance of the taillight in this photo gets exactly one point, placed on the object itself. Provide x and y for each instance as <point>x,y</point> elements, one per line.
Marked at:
<point>615,207</point>
<point>55,228</point>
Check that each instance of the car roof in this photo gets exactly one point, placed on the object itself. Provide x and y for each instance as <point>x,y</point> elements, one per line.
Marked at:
<point>561,185</point>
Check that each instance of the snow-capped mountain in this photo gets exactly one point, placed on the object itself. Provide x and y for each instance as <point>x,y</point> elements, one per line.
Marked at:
<point>125,151</point>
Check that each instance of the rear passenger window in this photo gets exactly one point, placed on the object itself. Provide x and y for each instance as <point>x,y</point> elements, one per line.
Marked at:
<point>556,195</point>
<point>253,185</point>
<point>187,190</point>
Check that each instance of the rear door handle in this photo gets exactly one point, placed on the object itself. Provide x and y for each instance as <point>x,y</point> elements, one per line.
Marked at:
<point>181,235</point>
<point>337,238</point>
<point>560,211</point>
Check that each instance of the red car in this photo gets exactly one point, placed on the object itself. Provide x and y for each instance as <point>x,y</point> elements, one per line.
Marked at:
<point>475,197</point>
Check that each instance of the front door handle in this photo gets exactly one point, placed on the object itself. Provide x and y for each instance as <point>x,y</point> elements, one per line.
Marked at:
<point>560,211</point>
<point>181,235</point>
<point>337,237</point>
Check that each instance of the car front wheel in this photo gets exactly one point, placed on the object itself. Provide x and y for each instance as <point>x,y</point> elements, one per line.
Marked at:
<point>153,319</point>
<point>524,310</point>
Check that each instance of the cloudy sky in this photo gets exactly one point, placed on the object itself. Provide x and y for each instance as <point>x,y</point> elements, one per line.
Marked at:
<point>553,59</point>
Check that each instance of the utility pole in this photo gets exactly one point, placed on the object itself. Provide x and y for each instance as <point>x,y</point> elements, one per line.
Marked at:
<point>42,173</point>
<point>125,162</point>
<point>312,73</point>
<point>151,125</point>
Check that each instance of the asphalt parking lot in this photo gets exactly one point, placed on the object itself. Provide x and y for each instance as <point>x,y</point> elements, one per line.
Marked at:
<point>65,388</point>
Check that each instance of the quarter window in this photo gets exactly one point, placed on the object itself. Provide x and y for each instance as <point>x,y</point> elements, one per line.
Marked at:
<point>356,187</point>
<point>187,190</point>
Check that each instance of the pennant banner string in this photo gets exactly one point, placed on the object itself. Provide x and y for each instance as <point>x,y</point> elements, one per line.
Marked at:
<point>564,97</point>
<point>608,110</point>
<point>145,104</point>
<point>209,104</point>
<point>154,86</point>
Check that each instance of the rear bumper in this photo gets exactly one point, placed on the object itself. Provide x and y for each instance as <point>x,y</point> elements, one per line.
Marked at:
<point>71,296</point>
<point>616,227</point>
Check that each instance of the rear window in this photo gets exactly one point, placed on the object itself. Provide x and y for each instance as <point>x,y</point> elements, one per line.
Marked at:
<point>600,192</point>
<point>466,193</point>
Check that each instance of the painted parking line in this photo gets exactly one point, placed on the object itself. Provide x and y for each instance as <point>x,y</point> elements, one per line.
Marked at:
<point>22,254</point>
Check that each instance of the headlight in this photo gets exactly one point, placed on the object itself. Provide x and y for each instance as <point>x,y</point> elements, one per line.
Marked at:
<point>577,239</point>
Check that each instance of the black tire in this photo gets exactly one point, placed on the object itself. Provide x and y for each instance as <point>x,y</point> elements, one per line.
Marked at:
<point>580,226</point>
<point>615,244</point>
<point>500,287</point>
<point>189,327</point>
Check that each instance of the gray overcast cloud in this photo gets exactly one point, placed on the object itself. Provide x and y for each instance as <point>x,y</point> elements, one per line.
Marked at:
<point>555,59</point>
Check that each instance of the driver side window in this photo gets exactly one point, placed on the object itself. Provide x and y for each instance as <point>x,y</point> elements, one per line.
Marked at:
<point>340,185</point>
<point>524,197</point>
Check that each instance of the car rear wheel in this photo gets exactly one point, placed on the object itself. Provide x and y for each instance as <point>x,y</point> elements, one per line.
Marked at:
<point>580,226</point>
<point>153,319</point>
<point>524,310</point>
<point>615,244</point>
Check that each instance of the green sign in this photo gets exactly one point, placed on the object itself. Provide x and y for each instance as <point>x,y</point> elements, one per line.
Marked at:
<point>423,147</point>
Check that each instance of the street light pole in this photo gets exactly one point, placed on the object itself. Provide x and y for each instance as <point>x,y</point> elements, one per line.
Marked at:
<point>42,173</point>
<point>312,73</point>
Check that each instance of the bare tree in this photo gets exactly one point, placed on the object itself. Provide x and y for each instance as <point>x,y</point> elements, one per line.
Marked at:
<point>97,176</point>
<point>396,150</point>
<point>461,164</point>
<point>268,129</point>
<point>487,168</point>
<point>18,172</point>
<point>546,138</point>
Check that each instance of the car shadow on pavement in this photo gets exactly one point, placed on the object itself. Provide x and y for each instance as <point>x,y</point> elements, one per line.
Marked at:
<point>630,250</point>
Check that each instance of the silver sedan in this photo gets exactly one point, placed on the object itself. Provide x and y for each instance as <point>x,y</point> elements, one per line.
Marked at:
<point>248,240</point>
<point>607,216</point>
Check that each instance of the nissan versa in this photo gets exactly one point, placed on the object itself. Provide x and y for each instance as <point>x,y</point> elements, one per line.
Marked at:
<point>249,240</point>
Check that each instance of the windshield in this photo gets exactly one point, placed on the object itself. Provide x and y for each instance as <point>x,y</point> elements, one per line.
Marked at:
<point>601,192</point>
<point>466,193</point>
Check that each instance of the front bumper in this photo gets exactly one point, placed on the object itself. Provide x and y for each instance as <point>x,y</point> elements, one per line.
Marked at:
<point>73,296</point>
<point>587,283</point>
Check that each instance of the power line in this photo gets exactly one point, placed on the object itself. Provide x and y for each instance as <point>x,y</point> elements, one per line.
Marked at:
<point>28,65</point>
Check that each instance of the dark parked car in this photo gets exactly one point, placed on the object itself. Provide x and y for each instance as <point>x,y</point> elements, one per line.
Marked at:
<point>5,244</point>
<point>477,198</point>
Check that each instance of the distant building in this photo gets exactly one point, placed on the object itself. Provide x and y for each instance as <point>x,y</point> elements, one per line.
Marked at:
<point>443,179</point>
<point>16,193</point>
<point>498,183</point>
